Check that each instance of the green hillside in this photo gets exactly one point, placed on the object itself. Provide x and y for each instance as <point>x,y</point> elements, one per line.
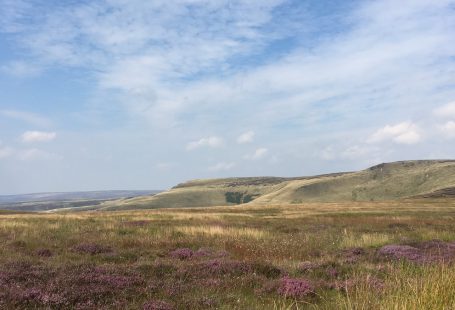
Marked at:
<point>398,180</point>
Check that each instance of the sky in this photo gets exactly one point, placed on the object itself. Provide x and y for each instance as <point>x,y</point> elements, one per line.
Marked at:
<point>133,94</point>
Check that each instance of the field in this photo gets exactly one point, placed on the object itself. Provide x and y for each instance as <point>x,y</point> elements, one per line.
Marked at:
<point>306,256</point>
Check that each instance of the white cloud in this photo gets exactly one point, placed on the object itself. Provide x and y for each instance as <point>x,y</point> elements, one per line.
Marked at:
<point>222,166</point>
<point>20,69</point>
<point>258,154</point>
<point>213,142</point>
<point>446,111</point>
<point>402,133</point>
<point>246,137</point>
<point>37,154</point>
<point>38,136</point>
<point>448,129</point>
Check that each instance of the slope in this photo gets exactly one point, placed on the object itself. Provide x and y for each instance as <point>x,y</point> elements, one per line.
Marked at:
<point>389,181</point>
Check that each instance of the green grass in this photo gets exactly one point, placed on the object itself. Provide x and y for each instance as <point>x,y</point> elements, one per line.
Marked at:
<point>380,183</point>
<point>262,239</point>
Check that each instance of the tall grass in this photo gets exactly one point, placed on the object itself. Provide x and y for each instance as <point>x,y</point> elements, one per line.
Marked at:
<point>240,255</point>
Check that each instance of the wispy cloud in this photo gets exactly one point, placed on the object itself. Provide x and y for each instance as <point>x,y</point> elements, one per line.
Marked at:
<point>181,70</point>
<point>20,69</point>
<point>375,60</point>
<point>38,136</point>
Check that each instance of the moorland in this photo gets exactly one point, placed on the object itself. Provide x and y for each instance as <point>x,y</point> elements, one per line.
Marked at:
<point>282,249</point>
<point>362,255</point>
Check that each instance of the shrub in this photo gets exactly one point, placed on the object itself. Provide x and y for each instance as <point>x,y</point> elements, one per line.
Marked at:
<point>182,253</point>
<point>295,288</point>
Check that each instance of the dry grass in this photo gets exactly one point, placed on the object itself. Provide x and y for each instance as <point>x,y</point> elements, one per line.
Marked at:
<point>227,232</point>
<point>231,257</point>
<point>351,240</point>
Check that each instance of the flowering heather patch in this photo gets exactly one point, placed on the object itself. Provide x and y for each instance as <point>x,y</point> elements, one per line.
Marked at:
<point>295,288</point>
<point>92,248</point>
<point>307,267</point>
<point>436,246</point>
<point>44,253</point>
<point>24,271</point>
<point>182,253</point>
<point>426,252</point>
<point>332,272</point>
<point>175,287</point>
<point>29,286</point>
<point>395,251</point>
<point>100,276</point>
<point>4,277</point>
<point>203,252</point>
<point>157,305</point>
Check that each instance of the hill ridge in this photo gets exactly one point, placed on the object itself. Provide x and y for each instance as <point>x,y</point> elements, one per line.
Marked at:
<point>385,181</point>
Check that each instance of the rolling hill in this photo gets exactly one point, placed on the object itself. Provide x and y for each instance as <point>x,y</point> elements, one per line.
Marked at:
<point>388,181</point>
<point>63,200</point>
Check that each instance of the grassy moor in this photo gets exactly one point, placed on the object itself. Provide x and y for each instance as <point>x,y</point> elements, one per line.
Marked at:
<point>345,255</point>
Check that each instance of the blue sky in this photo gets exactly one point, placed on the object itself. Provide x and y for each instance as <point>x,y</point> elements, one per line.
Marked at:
<point>119,94</point>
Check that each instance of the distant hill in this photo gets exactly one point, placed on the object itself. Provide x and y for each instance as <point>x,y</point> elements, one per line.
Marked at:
<point>50,201</point>
<point>388,181</point>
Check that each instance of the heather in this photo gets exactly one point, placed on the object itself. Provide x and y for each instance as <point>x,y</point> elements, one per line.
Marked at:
<point>371,255</point>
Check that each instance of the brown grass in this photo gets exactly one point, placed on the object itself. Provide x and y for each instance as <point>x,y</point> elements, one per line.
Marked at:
<point>244,253</point>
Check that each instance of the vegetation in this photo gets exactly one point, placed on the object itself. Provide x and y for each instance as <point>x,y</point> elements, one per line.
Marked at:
<point>352,255</point>
<point>407,179</point>
<point>238,198</point>
<point>73,200</point>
